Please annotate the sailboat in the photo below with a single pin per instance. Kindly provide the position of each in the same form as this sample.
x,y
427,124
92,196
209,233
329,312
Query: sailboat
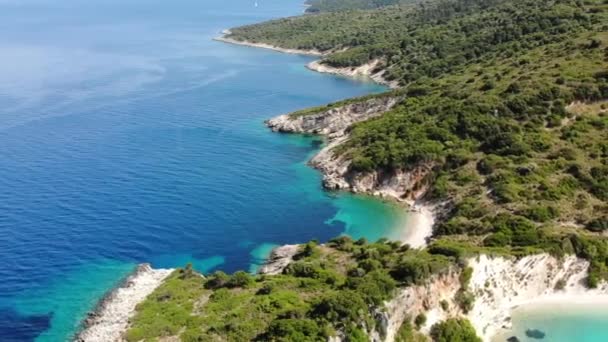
x,y
255,4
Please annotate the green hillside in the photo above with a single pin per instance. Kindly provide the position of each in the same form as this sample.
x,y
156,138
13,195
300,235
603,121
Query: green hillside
x,y
506,101
319,6
327,289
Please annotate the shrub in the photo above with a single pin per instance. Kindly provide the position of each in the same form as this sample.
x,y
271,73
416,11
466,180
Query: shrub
x,y
412,270
454,330
375,287
465,300
343,306
217,280
240,279
420,320
294,330
541,213
465,277
560,285
598,224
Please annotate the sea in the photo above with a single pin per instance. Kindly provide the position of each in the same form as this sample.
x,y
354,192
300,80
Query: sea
x,y
558,322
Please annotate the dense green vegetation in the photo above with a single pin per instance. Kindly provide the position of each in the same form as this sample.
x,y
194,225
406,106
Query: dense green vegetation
x,y
331,288
454,330
507,103
317,6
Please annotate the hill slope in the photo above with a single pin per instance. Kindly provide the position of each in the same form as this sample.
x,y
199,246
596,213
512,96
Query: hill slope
x,y
503,104
504,99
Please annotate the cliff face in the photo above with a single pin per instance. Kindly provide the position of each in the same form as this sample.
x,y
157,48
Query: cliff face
x,y
333,122
372,70
414,300
500,284
402,185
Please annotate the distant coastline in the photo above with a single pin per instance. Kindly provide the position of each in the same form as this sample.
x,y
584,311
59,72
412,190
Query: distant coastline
x,y
223,38
366,71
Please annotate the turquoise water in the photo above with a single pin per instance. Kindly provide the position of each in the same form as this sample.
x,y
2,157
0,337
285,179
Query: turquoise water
x,y
560,323
129,136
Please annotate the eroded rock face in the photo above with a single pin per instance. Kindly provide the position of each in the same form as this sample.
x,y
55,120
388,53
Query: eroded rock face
x,y
402,185
410,301
371,70
500,284
333,122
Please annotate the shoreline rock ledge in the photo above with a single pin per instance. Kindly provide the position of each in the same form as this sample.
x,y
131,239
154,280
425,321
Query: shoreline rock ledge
x,y
110,319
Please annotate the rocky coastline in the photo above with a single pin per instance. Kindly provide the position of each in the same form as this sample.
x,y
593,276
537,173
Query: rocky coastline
x,y
405,186
369,70
279,258
110,319
224,37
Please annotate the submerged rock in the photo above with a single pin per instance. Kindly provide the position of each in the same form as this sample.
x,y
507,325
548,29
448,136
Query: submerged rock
x,y
535,333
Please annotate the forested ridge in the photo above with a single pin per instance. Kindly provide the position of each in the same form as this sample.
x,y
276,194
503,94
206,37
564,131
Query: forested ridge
x,y
319,6
506,101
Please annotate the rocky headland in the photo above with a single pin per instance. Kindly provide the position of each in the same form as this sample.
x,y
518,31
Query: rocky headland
x,y
109,321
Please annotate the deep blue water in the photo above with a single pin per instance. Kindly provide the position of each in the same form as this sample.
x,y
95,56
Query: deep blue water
x,y
127,135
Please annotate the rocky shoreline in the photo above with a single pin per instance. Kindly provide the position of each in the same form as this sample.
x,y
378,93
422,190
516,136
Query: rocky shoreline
x,y
366,71
403,186
224,38
110,319
279,258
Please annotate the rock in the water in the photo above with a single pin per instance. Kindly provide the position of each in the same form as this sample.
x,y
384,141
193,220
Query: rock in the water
x,y
535,333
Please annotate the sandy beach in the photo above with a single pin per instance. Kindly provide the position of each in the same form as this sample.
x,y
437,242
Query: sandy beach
x,y
418,227
585,305
502,285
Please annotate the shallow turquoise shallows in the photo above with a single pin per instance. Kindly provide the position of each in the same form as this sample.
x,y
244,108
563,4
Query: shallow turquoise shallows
x,y
127,135
562,322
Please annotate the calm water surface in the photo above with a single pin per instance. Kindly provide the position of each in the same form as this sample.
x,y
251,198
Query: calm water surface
x,y
561,322
127,135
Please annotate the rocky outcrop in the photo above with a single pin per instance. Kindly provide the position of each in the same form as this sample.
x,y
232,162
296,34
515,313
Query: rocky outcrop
x,y
279,259
333,122
109,321
411,301
402,185
406,185
370,70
